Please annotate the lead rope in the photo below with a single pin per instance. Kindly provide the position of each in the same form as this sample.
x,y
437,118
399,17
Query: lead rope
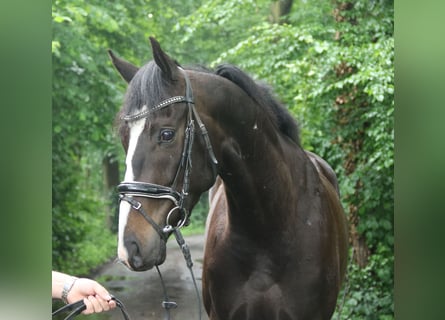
x,y
167,304
188,258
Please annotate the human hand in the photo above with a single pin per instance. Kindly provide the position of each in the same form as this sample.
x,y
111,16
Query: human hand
x,y
95,296
72,289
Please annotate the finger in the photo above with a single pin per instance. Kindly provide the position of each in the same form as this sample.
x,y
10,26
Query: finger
x,y
104,304
96,304
102,292
112,304
89,306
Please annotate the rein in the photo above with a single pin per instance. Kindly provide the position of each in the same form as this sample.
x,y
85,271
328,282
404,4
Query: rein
x,y
77,307
128,190
167,304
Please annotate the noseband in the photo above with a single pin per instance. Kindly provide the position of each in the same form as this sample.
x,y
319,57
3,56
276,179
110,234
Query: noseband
x,y
128,190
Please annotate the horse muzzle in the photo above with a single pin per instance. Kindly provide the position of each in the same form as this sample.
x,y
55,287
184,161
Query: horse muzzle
x,y
142,257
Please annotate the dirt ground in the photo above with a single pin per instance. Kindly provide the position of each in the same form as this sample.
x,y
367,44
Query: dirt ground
x,y
141,292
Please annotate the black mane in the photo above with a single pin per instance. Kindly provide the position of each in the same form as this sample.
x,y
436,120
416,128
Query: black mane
x,y
262,95
150,76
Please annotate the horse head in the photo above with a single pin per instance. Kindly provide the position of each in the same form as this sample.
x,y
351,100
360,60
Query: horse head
x,y
164,138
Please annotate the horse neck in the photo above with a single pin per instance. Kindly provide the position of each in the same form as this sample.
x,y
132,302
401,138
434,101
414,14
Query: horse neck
x,y
263,189
259,165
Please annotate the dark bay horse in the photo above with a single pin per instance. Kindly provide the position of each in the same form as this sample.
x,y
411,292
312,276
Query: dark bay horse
x,y
276,238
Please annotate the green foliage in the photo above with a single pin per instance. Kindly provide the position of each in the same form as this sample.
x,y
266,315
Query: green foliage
x,y
212,22
198,217
80,241
86,96
367,296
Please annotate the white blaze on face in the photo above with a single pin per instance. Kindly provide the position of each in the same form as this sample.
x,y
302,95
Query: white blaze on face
x,y
136,129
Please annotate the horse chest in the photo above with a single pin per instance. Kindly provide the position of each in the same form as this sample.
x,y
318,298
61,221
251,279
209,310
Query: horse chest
x,y
252,280
260,297
260,281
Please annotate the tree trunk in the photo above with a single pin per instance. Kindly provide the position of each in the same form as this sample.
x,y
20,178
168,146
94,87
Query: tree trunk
x,y
111,178
351,148
361,252
279,9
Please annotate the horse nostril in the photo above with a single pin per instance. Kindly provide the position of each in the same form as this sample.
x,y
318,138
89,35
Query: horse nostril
x,y
142,258
132,247
136,262
134,255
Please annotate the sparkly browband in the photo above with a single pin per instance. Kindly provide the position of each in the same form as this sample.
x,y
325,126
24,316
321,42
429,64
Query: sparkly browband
x,y
163,104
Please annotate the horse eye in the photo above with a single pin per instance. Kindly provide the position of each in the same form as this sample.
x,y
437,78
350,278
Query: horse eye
x,y
166,135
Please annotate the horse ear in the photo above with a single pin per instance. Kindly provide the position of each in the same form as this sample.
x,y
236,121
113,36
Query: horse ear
x,y
126,69
168,66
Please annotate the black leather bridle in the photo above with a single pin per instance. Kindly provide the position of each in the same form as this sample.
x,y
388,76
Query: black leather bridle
x,y
130,189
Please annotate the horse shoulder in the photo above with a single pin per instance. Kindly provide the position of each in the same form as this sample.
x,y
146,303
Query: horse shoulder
x,y
328,178
324,168
216,222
